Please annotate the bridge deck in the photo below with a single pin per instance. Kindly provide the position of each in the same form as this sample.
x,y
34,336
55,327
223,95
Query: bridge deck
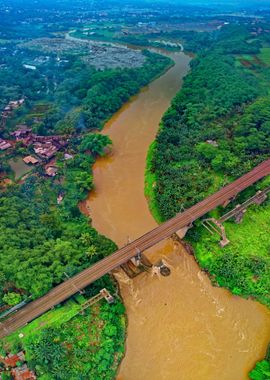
x,y
106,265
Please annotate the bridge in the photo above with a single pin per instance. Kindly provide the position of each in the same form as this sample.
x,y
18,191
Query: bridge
x,y
86,277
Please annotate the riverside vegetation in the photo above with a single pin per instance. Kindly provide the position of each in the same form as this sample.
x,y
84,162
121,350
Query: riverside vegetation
x,y
31,209
217,128
42,241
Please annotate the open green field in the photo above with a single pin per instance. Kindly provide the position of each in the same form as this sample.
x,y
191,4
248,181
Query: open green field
x,y
246,61
243,266
96,31
53,318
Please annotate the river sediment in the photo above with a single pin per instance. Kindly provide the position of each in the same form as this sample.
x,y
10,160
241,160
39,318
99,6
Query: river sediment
x,y
179,326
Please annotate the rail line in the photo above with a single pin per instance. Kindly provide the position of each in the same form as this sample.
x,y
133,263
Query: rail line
x,y
106,265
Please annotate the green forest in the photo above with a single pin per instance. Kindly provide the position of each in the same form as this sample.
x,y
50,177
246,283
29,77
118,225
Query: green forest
x,y
218,128
63,352
68,342
39,235
43,241
210,108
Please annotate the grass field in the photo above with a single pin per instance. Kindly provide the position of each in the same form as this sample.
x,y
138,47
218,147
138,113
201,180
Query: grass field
x,y
55,318
243,266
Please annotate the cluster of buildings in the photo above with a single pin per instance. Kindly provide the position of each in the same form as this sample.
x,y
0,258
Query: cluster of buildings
x,y
15,365
21,132
12,105
256,31
44,146
103,57
47,146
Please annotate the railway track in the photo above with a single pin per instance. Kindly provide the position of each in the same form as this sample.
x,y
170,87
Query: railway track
x,y
106,265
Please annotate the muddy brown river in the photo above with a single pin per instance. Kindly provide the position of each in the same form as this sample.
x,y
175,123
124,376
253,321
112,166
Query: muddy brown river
x,y
180,327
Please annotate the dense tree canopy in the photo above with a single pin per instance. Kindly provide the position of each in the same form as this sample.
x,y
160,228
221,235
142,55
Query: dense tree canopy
x,y
41,242
208,134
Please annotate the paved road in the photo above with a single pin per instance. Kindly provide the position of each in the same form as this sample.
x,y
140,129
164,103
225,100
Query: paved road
x,y
165,230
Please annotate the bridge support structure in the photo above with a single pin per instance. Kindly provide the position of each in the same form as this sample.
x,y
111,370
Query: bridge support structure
x,y
214,226
161,268
237,214
183,231
136,265
81,280
104,293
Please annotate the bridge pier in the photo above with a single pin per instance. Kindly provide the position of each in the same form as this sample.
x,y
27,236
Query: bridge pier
x,y
67,288
162,268
136,265
228,201
183,231
138,259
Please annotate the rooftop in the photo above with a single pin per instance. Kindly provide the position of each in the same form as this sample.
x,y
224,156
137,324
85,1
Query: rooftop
x,y
30,160
4,144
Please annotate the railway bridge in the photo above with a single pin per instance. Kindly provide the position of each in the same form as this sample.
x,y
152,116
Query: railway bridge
x,y
181,222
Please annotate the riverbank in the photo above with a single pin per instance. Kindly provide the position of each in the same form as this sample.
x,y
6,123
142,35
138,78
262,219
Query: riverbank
x,y
58,240
136,121
72,338
206,140
156,306
192,158
150,183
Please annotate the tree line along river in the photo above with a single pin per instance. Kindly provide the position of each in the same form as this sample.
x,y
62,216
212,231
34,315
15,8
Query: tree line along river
x,y
180,326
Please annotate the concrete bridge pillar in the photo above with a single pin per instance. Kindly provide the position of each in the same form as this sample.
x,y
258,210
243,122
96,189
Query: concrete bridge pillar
x,y
182,232
136,265
161,268
228,201
225,204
